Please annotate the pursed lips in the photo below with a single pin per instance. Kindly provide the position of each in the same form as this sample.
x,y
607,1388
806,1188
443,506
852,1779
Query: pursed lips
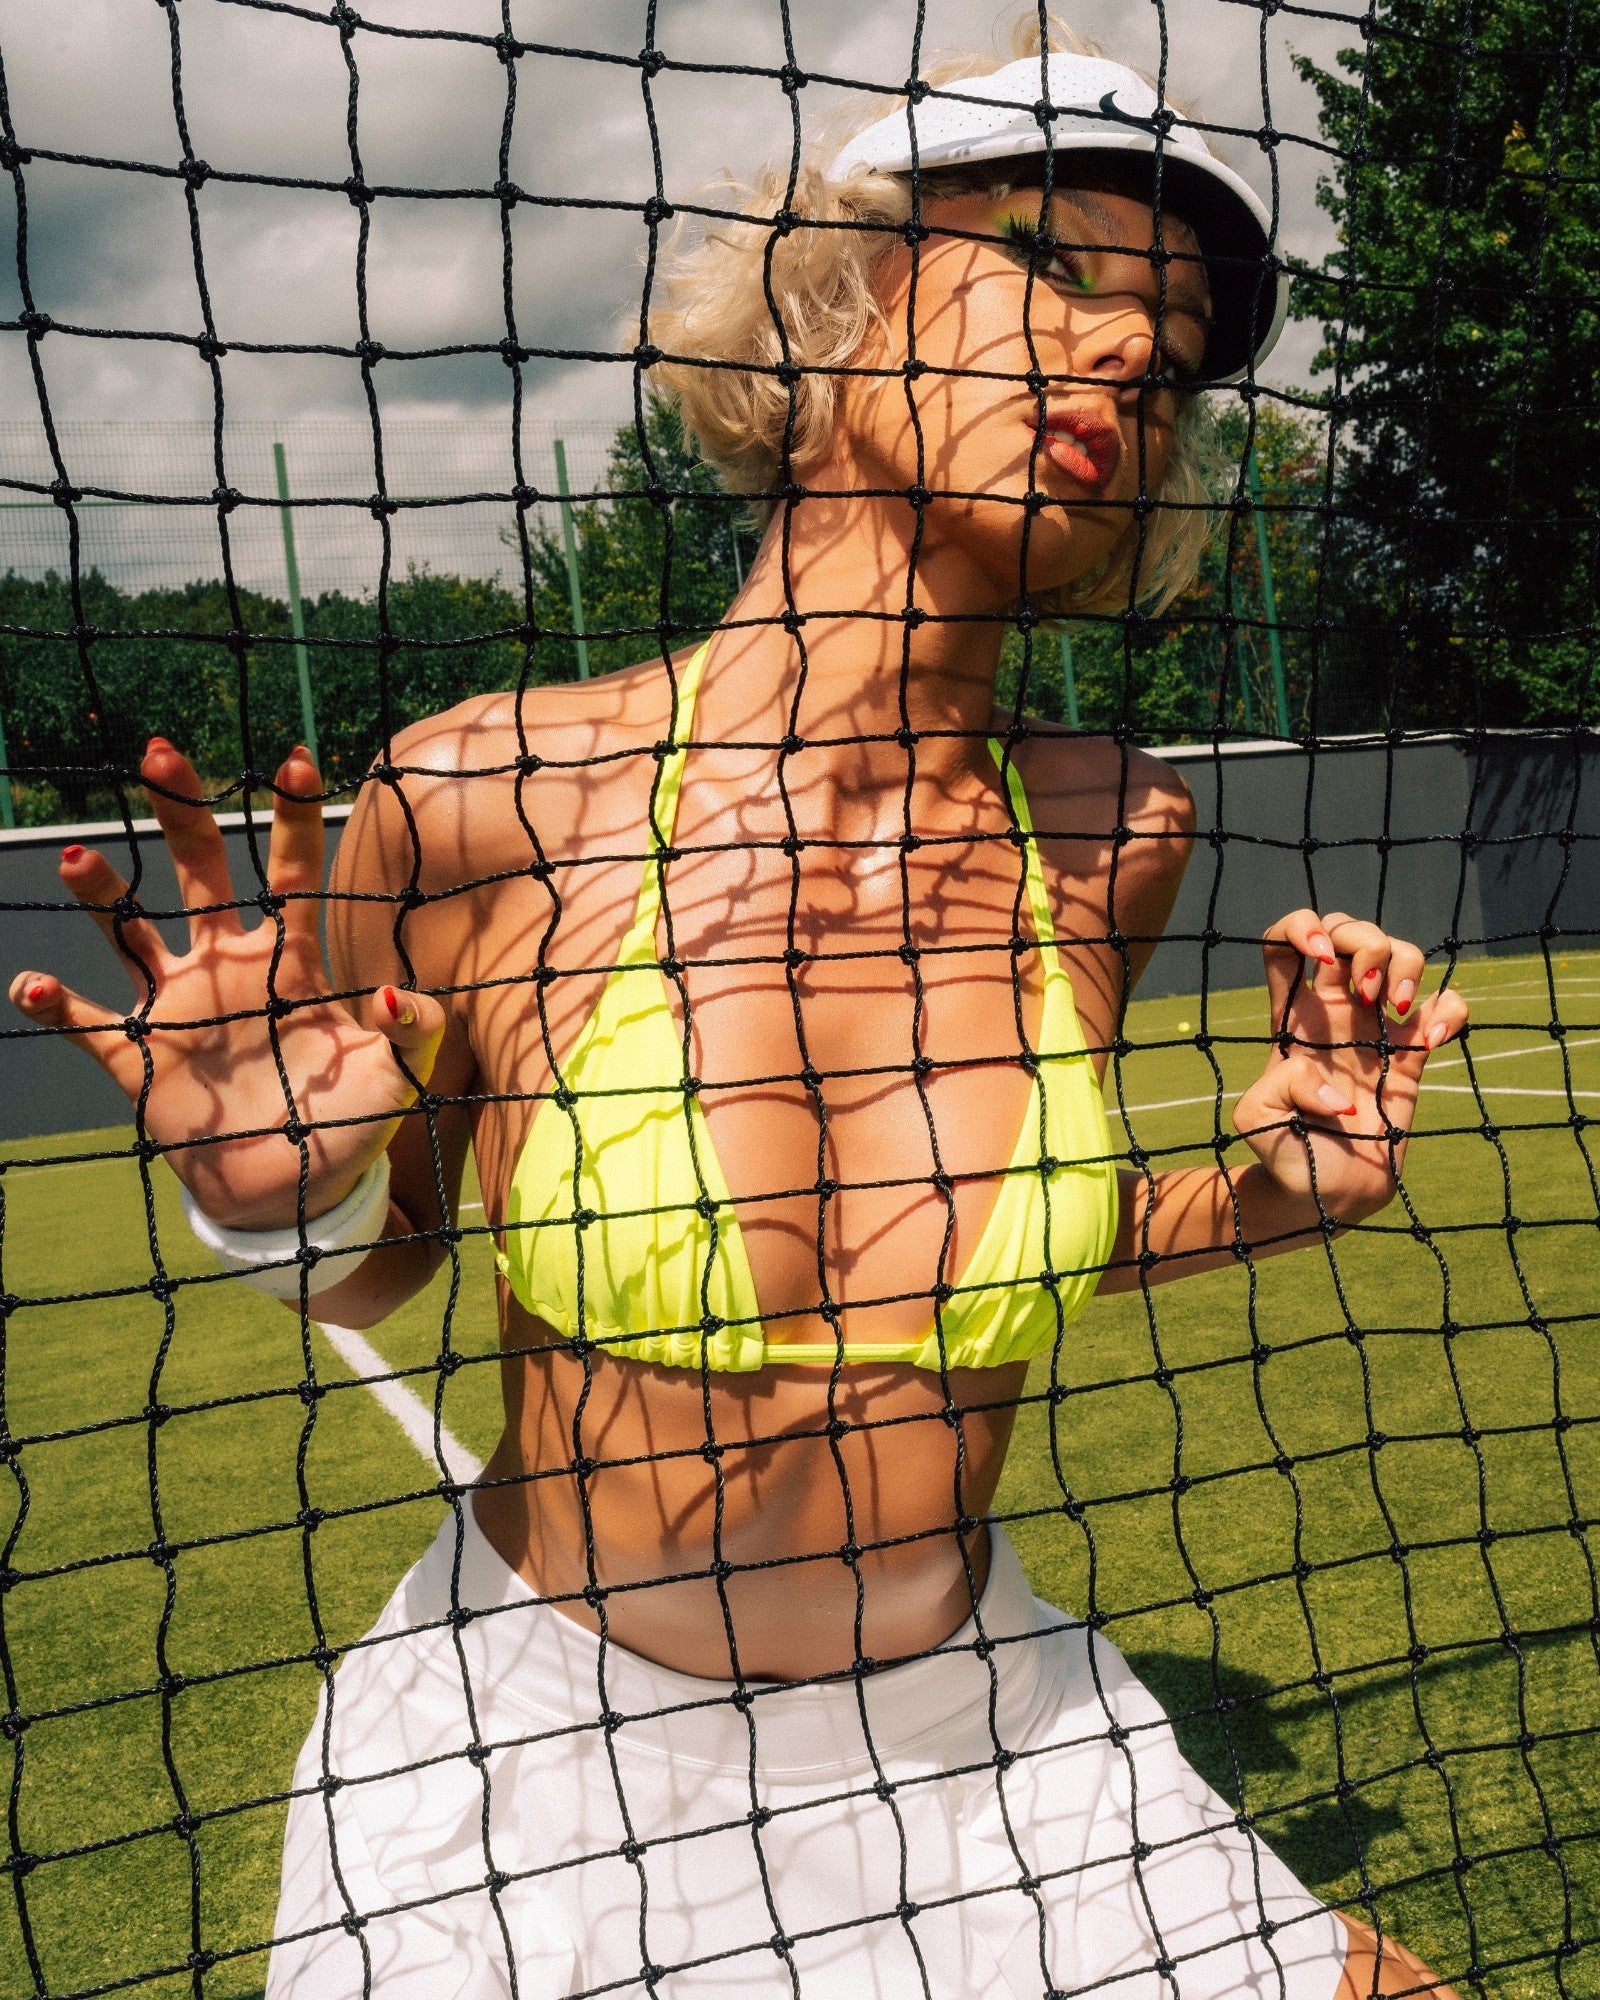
x,y
1087,449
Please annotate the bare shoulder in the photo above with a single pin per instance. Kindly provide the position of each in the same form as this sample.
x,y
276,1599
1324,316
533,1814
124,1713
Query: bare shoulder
x,y
1085,788
471,792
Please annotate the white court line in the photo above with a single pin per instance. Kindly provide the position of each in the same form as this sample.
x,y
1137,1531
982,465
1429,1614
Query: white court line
x,y
1533,1049
402,1403
1450,1062
1506,1090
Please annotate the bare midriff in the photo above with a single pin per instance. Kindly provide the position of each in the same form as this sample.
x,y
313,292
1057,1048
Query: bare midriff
x,y
775,1498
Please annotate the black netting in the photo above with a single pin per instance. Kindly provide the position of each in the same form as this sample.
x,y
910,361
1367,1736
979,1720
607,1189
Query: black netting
x,y
728,1679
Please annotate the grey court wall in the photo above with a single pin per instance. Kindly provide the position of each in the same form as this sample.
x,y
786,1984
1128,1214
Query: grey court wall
x,y
1478,847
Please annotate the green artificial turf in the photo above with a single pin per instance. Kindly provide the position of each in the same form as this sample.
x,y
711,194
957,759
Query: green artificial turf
x,y
1144,1488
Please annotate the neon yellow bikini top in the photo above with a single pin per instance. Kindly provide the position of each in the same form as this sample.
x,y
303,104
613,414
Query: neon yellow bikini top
x,y
619,1224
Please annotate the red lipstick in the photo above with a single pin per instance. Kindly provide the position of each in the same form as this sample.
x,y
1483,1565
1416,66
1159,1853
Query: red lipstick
x,y
1085,448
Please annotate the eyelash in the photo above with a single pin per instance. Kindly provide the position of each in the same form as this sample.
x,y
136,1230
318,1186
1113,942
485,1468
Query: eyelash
x,y
1023,238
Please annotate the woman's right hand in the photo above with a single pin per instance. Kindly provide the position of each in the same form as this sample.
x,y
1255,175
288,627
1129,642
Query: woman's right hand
x,y
216,1020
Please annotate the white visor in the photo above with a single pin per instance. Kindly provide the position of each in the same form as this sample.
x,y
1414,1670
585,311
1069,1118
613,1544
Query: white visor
x,y
1088,105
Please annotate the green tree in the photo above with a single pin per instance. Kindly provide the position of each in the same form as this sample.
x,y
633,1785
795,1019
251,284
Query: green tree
x,y
658,564
166,661
1204,664
1461,321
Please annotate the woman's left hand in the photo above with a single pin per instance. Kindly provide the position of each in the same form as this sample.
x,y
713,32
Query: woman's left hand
x,y
1329,1073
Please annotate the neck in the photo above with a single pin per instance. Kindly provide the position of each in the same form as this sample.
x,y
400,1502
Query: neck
x,y
855,667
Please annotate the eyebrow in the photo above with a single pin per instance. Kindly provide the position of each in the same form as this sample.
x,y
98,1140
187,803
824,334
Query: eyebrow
x,y
1187,289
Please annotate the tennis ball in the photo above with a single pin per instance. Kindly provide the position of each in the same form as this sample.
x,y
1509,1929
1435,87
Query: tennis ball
x,y
1184,1027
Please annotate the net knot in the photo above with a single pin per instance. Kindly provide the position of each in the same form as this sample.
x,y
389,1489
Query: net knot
x,y
657,211
209,348
646,354
380,506
63,494
356,192
511,353
13,156
792,78
651,62
195,173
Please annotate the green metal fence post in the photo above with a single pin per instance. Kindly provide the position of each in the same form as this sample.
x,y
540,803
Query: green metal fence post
x,y
297,622
1269,596
574,587
1069,679
8,805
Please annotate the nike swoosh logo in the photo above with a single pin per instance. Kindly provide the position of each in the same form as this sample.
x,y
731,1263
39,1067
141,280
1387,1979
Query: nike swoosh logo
x,y
1113,110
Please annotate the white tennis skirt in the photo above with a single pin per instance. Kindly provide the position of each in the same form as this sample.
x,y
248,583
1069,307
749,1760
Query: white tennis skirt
x,y
497,1805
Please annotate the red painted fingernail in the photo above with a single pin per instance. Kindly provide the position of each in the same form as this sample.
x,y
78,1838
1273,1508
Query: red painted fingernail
x,y
74,852
1349,1111
1402,1006
391,1000
35,993
156,743
1321,947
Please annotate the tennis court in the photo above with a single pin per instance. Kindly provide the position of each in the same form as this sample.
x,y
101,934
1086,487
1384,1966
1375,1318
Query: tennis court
x,y
191,1523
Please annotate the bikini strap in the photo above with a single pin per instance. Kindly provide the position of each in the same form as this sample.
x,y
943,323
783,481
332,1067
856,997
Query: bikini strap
x,y
640,940
1044,923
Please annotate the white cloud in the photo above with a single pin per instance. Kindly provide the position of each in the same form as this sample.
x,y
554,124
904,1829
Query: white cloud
x,y
267,93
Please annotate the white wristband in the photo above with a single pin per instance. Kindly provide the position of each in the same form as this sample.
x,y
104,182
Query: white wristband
x,y
268,1260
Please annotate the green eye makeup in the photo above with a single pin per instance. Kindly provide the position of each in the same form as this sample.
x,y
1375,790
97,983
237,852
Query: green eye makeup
x,y
1060,266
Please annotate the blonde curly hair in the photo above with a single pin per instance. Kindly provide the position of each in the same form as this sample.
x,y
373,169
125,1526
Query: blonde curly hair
x,y
743,409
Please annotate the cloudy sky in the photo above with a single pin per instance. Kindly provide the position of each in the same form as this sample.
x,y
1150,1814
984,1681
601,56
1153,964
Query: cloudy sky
x,y
267,93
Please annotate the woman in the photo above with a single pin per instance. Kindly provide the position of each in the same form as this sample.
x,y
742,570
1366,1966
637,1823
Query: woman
x,y
777,1032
